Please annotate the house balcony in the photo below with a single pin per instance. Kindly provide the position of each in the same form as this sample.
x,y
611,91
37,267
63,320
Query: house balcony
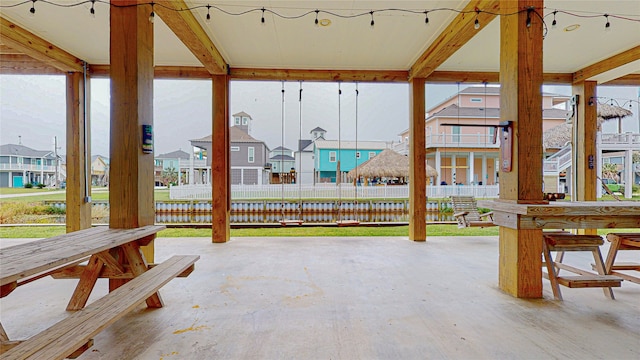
x,y
346,298
27,167
461,141
626,141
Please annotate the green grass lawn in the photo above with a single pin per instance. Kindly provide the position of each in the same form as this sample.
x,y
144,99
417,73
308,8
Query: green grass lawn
x,y
98,194
303,231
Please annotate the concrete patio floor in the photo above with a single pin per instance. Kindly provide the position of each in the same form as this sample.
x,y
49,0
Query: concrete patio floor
x,y
346,298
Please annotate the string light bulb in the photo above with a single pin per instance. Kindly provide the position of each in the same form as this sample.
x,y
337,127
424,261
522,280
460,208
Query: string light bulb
x,y
426,17
372,22
32,11
554,23
476,24
591,101
317,12
262,18
529,10
152,15
208,13
607,26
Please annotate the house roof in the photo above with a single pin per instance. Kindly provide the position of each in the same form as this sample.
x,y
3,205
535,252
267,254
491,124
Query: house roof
x,y
103,158
282,157
305,145
318,128
242,113
21,150
351,145
280,148
178,154
453,111
236,134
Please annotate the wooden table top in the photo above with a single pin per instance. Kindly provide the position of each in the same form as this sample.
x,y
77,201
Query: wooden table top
x,y
24,260
562,208
565,214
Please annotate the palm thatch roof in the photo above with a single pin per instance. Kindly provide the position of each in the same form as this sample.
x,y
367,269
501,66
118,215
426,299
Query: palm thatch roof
x,y
388,163
558,136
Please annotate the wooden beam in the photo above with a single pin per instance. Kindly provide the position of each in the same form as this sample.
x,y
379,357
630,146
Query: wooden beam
x,y
160,72
610,63
192,35
457,33
25,42
521,102
20,64
131,169
490,77
627,80
319,75
78,153
5,50
417,157
220,162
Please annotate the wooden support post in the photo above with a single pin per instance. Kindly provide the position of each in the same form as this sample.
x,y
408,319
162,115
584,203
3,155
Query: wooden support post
x,y
78,154
417,165
585,129
220,162
521,102
131,172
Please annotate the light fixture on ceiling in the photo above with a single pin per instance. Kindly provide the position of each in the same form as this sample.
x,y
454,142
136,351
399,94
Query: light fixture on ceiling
x,y
572,27
325,22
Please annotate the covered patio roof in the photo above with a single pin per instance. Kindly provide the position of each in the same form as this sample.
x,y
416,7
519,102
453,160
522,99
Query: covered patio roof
x,y
288,44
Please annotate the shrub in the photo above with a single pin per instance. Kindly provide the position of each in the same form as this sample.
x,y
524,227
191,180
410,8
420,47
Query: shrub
x,y
28,185
40,185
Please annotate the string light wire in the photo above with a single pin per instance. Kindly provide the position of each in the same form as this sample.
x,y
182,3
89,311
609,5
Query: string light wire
x,y
316,12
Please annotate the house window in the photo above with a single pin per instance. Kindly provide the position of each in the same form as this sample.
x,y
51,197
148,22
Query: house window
x,y
357,154
332,156
476,100
252,154
371,154
235,148
245,121
455,134
237,120
491,131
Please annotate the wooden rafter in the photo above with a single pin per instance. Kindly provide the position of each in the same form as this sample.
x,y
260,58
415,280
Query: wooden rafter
x,y
627,80
190,32
23,41
319,75
610,63
17,64
458,33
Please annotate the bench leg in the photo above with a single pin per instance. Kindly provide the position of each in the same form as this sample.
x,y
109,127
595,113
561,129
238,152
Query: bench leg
x,y
597,257
85,285
611,256
552,271
138,266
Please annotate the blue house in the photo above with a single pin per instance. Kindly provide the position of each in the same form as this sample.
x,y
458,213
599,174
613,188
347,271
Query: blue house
x,y
21,165
348,154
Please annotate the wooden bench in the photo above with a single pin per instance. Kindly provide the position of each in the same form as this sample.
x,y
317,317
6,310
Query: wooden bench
x,y
622,241
110,253
562,242
465,211
72,333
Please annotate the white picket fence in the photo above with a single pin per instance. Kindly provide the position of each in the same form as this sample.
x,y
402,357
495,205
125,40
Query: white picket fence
x,y
329,191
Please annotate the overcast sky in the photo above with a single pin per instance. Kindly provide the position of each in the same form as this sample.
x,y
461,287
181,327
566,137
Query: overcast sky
x,y
33,107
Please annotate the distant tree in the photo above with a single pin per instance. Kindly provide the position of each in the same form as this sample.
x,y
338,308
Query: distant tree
x,y
169,176
609,171
635,157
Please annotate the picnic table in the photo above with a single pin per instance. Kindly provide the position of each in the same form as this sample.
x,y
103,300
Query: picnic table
x,y
108,253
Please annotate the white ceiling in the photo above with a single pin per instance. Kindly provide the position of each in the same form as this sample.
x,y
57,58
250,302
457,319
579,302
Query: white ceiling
x,y
395,42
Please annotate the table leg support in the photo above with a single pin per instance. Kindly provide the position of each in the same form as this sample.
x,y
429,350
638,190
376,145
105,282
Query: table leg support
x,y
520,266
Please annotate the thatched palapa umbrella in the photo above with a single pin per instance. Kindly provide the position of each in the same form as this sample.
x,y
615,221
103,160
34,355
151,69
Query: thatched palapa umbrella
x,y
388,163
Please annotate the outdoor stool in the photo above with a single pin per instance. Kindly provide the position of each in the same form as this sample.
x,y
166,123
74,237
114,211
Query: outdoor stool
x,y
562,242
622,241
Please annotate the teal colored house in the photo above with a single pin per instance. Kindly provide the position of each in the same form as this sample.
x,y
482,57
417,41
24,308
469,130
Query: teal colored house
x,y
328,153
